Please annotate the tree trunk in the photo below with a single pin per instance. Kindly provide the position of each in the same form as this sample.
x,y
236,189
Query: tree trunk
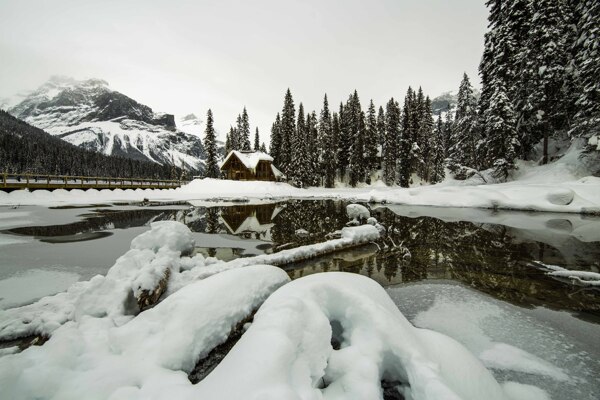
x,y
545,156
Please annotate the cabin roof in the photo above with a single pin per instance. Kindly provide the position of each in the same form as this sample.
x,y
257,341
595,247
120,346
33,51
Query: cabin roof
x,y
250,159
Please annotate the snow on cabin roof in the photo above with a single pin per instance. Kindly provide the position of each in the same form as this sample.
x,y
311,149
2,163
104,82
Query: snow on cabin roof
x,y
250,159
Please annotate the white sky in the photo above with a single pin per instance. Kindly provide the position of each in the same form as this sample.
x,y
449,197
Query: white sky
x,y
188,56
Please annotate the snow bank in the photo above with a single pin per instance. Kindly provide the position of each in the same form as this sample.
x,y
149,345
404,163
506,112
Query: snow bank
x,y
292,334
112,295
580,196
148,357
155,256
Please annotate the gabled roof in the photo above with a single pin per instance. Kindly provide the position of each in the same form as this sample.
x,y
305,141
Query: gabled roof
x,y
250,159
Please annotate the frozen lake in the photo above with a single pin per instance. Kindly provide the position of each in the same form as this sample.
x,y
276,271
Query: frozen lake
x,y
469,273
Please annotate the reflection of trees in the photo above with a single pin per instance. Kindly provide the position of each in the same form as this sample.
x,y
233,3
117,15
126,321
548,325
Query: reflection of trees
x,y
317,217
483,256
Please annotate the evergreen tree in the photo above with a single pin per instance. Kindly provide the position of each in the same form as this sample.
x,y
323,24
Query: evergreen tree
x,y
427,140
327,145
546,64
228,146
313,149
500,133
390,143
371,141
245,131
299,163
263,147
287,129
464,138
275,146
344,142
380,132
437,156
335,138
210,148
355,123
586,66
256,140
405,140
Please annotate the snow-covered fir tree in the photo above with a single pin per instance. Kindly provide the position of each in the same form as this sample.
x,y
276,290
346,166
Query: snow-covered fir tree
x,y
464,135
586,64
299,165
371,141
245,131
355,123
406,137
425,137
275,145
256,140
327,145
500,136
390,141
344,143
436,153
210,147
287,129
313,150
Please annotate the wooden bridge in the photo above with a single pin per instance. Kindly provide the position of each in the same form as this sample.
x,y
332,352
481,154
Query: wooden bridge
x,y
10,182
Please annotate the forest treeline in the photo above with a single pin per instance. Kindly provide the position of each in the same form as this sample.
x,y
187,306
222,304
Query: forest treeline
x,y
539,75
27,149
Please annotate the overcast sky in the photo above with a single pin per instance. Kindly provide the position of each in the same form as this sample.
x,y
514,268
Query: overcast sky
x,y
188,56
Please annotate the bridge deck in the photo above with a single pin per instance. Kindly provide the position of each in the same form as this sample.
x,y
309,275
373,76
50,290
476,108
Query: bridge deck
x,y
10,182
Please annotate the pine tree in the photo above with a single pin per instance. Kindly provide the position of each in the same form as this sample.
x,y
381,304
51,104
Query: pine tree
x,y
313,150
256,140
426,139
406,137
371,141
228,146
344,142
464,138
390,143
355,122
437,156
500,133
288,128
380,132
335,139
299,163
587,70
263,147
546,62
327,145
245,131
210,148
275,145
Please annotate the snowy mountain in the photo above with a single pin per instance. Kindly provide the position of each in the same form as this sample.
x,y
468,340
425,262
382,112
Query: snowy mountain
x,y
91,115
447,101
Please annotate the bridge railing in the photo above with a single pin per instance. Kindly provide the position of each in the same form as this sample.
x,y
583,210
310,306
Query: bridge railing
x,y
10,180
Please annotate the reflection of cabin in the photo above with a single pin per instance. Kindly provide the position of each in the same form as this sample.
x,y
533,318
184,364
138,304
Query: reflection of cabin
x,y
250,166
249,218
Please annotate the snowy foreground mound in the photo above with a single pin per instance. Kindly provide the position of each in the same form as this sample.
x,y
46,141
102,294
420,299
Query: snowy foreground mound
x,y
325,336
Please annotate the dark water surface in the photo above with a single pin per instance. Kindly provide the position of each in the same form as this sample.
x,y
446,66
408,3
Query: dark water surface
x,y
498,253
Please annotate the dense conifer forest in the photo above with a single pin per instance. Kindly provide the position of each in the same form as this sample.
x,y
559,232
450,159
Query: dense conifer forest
x,y
539,75
26,149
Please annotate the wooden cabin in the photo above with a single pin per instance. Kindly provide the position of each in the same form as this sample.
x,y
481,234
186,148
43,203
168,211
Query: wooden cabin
x,y
250,166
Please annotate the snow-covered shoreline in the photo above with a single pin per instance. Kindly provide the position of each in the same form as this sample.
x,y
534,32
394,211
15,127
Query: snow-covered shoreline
x,y
579,196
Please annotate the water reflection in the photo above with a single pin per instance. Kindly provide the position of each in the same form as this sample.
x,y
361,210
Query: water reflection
x,y
490,251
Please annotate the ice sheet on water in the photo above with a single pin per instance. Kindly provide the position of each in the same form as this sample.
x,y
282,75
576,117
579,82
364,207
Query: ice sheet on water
x,y
32,285
518,344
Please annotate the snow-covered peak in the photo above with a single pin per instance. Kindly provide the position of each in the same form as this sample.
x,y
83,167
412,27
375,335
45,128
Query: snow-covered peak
x,y
191,124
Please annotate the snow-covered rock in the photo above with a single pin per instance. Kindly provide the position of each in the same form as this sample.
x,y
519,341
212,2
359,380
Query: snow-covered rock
x,y
357,211
561,196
